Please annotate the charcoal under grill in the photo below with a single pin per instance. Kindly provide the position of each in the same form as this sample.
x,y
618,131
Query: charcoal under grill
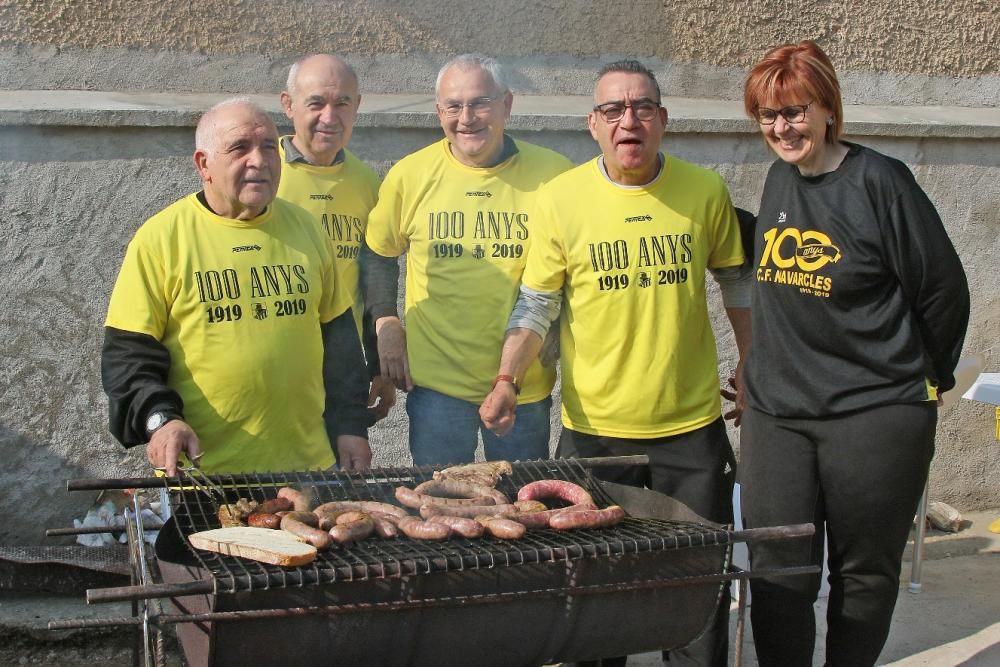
x,y
651,582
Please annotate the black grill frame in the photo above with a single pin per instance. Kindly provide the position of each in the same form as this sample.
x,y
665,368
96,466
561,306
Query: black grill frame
x,y
195,509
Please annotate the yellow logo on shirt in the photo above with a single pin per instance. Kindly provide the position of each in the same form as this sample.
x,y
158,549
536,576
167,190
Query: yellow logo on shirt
x,y
792,257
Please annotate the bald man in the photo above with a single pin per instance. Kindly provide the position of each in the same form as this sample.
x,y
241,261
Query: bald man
x,y
229,338
319,174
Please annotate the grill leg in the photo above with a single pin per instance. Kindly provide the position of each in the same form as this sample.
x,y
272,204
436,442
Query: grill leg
x,y
918,543
741,616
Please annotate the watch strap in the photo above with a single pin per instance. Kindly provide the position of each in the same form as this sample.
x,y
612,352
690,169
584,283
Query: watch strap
x,y
502,377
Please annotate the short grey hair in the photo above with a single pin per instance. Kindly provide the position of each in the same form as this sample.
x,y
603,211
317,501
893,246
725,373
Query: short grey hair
x,y
293,71
468,61
205,133
631,67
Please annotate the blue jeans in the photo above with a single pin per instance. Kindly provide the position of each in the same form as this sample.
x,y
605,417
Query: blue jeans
x,y
443,430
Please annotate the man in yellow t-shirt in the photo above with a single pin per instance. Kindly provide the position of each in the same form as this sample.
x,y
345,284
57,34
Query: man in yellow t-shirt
x,y
461,211
228,337
622,244
319,174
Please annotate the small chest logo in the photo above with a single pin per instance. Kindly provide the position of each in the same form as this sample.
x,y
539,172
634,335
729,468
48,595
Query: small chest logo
x,y
326,197
781,218
246,248
478,193
639,218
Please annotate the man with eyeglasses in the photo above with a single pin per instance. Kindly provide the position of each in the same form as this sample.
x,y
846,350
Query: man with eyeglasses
x,y
622,244
461,211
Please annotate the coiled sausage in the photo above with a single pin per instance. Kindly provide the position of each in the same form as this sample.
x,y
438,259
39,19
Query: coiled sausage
x,y
555,488
413,499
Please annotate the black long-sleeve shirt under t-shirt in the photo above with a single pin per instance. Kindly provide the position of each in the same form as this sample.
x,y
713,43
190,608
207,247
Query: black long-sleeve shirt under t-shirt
x,y
860,299
134,369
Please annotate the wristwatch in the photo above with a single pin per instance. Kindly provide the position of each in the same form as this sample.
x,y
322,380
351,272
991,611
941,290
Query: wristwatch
x,y
156,421
508,378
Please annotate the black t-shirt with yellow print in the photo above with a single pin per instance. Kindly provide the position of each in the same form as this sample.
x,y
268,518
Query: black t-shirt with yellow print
x,y
860,298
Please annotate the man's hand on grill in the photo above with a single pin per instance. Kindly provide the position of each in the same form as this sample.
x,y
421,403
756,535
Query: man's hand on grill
x,y
353,453
167,443
381,397
392,352
497,411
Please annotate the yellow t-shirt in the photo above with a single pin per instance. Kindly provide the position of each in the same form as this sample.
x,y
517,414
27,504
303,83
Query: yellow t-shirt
x,y
238,305
637,350
339,197
465,232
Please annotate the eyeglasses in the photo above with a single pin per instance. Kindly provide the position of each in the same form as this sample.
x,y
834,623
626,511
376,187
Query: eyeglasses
x,y
795,113
477,107
612,112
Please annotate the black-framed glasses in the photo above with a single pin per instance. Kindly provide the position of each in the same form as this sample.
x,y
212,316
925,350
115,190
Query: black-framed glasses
x,y
793,113
644,109
478,107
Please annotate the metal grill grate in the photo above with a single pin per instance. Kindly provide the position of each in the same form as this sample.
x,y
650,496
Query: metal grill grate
x,y
196,510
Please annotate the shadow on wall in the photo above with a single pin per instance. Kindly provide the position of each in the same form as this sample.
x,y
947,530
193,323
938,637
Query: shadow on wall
x,y
33,478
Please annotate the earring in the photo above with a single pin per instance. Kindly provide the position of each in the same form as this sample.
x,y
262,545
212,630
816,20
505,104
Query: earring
x,y
829,121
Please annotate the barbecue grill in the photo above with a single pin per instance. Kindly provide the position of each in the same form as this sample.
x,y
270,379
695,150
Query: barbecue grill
x,y
649,583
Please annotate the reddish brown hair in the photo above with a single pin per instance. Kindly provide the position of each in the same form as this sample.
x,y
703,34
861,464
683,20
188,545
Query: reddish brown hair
x,y
796,71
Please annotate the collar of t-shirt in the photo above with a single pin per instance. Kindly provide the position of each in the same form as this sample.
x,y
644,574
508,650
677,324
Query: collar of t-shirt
x,y
293,154
604,171
204,202
508,151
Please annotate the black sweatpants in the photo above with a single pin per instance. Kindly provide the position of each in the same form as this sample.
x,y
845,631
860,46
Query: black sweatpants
x,y
696,468
859,477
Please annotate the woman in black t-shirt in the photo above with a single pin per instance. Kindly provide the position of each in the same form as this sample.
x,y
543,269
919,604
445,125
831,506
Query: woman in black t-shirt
x,y
859,313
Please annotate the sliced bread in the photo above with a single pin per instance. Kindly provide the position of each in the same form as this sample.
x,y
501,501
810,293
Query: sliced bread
x,y
276,547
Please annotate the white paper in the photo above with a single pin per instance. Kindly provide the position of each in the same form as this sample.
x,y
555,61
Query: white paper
x,y
985,389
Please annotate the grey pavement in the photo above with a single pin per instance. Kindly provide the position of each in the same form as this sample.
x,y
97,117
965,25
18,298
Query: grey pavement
x,y
953,620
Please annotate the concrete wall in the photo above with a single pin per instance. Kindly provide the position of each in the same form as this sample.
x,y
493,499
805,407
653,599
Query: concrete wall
x,y
79,174
895,51
71,197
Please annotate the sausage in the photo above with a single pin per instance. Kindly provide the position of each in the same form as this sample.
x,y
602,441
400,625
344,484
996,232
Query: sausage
x,y
467,511
468,528
328,518
572,519
274,505
471,477
555,488
314,536
264,520
413,499
541,519
350,516
363,505
488,472
416,529
456,488
352,527
504,529
384,526
307,518
299,500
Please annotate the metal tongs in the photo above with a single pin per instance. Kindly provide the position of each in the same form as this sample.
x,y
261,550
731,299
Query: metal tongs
x,y
199,480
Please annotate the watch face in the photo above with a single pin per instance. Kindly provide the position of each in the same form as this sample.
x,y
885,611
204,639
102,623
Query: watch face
x,y
155,421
